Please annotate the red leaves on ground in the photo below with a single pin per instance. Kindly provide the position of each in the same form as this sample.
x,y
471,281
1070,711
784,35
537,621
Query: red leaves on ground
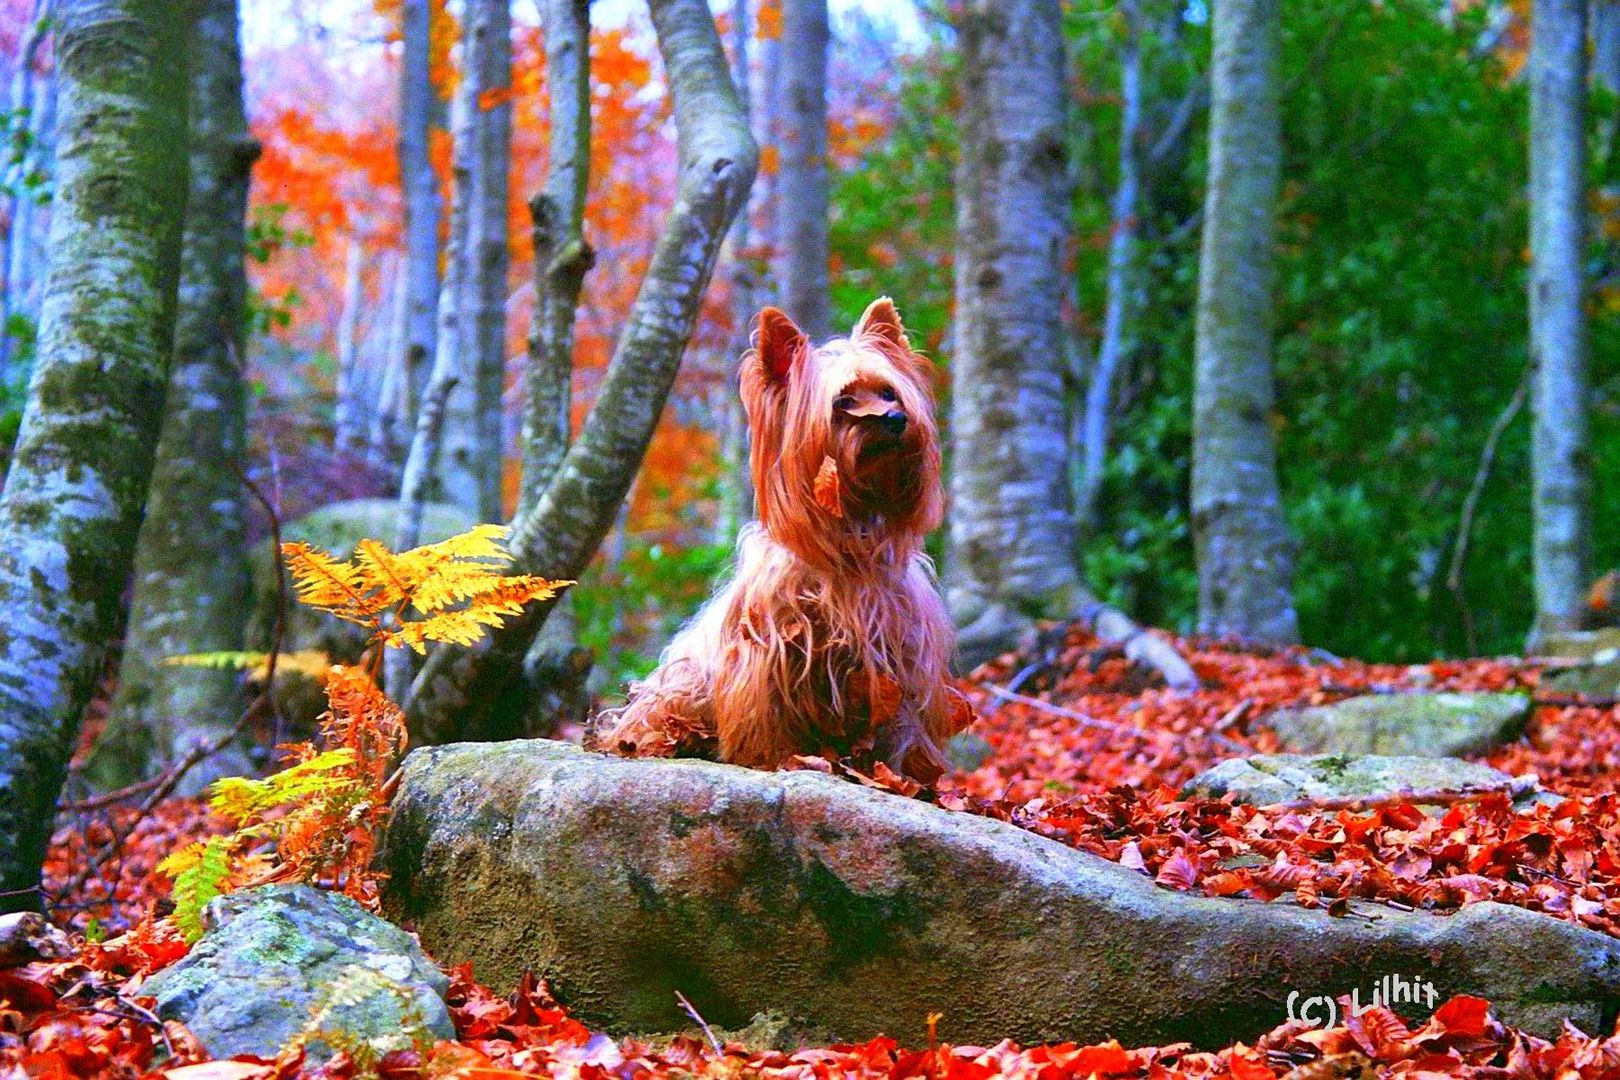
x,y
1107,791
1116,794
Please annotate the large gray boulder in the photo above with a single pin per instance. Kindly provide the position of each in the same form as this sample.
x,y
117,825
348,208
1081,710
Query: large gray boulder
x,y
1416,725
860,912
282,958
1265,779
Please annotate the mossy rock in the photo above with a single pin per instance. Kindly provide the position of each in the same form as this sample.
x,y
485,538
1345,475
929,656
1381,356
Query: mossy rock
x,y
1403,725
857,912
1598,645
278,959
1596,681
1267,779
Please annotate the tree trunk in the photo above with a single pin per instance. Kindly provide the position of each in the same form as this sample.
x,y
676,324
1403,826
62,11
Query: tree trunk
x,y
477,689
736,488
418,104
1012,540
387,439
191,573
25,113
561,255
349,422
802,205
1560,457
471,465
1122,281
556,667
72,505
26,253
1244,554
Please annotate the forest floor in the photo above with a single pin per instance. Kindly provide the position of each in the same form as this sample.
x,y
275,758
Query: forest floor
x,y
1090,752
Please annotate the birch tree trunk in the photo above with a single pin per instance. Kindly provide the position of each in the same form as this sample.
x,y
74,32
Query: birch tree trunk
x,y
191,573
802,205
561,255
349,423
557,666
1012,537
72,505
1245,557
24,113
456,345
26,252
736,488
418,104
477,689
1559,452
490,254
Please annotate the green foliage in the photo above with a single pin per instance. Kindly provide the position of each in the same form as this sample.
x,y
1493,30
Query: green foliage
x,y
200,873
267,234
667,583
1400,323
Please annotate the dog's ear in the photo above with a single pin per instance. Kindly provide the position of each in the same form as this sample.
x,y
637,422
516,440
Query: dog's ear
x,y
780,343
882,320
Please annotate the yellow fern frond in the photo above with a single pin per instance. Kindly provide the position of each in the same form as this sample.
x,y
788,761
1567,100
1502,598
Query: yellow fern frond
x,y
310,663
341,588
490,606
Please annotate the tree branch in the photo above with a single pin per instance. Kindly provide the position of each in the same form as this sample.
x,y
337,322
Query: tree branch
x,y
557,536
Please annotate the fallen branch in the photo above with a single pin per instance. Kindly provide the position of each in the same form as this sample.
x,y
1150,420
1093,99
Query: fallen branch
x,y
1514,789
702,1023
1114,626
1106,725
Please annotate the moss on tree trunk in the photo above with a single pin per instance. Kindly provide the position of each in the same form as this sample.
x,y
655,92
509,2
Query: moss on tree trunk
x,y
191,574
72,505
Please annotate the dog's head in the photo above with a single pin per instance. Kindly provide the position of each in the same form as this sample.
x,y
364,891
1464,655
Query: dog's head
x,y
845,448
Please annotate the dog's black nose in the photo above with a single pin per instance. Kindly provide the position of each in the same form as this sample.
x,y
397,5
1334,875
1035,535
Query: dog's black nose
x,y
894,422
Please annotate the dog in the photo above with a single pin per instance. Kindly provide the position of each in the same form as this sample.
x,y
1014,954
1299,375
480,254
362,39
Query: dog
x,y
831,635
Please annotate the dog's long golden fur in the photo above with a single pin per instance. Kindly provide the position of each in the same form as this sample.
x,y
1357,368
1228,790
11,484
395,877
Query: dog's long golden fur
x,y
831,634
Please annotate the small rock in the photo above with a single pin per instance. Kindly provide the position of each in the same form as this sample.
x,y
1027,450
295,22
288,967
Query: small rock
x,y
1266,779
967,751
1580,644
1596,680
279,959
26,936
1414,725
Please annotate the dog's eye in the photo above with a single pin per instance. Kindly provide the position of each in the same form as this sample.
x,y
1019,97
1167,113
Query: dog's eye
x,y
887,394
844,403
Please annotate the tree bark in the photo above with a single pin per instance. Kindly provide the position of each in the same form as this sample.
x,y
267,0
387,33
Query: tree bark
x,y
1122,281
1012,537
418,104
468,465
802,205
1245,557
348,420
191,574
479,688
72,505
1560,455
561,255
24,111
736,488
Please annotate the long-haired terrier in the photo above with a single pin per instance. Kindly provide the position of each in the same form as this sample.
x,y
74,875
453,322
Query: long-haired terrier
x,y
831,635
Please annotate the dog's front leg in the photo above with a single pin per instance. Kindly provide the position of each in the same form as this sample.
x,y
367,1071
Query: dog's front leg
x,y
907,748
